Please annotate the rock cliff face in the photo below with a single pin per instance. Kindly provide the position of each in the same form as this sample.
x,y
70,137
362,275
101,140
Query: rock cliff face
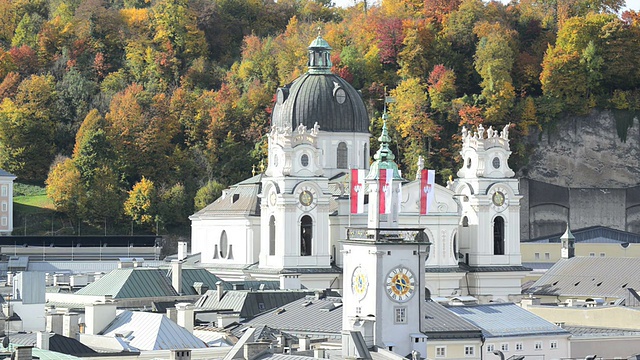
x,y
586,152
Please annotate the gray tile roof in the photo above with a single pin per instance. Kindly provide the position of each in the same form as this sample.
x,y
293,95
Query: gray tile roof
x,y
589,276
248,303
131,283
586,331
506,319
150,331
304,315
239,199
593,234
440,323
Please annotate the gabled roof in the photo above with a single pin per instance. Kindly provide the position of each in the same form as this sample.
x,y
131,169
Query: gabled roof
x,y
131,283
506,319
592,234
589,276
440,323
248,303
308,314
57,343
239,199
150,331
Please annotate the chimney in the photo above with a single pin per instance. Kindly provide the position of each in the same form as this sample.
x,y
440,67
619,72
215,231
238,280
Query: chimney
x,y
185,316
42,340
182,354
172,314
304,343
220,290
225,319
54,322
568,244
98,315
176,275
182,250
200,287
70,326
251,350
24,353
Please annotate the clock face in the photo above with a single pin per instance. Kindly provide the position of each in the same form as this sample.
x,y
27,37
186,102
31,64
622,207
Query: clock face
x,y
499,199
341,96
359,283
400,284
307,198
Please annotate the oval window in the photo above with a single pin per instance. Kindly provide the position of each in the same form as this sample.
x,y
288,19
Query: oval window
x,y
223,244
304,160
496,162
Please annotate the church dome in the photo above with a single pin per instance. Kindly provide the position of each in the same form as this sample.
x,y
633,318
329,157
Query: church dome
x,y
320,96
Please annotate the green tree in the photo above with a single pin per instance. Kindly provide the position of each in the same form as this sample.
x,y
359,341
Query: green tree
x,y
208,194
27,31
174,207
27,129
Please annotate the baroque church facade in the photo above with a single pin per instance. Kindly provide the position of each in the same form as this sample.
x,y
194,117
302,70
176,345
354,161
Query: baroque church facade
x,y
291,223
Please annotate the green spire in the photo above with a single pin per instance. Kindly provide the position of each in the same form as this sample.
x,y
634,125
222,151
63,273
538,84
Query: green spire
x,y
383,158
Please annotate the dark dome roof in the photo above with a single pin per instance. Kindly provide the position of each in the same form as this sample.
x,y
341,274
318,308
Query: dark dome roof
x,y
320,96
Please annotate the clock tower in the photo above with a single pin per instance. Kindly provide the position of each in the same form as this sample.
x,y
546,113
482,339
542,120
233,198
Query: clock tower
x,y
384,268
489,228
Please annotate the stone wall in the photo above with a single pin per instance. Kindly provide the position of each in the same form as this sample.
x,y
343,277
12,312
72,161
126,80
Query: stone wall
x,y
582,172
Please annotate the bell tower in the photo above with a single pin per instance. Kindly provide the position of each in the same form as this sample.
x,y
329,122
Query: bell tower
x,y
489,227
384,268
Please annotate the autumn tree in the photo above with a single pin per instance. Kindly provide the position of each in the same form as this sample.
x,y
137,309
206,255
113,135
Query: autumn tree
x,y
66,188
27,129
141,204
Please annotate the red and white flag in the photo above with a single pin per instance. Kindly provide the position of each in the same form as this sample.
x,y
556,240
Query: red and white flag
x,y
427,179
384,191
357,191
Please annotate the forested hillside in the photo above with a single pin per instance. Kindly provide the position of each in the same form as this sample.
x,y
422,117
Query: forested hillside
x,y
145,109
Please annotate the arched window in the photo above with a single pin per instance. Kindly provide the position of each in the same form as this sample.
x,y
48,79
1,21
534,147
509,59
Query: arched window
x,y
342,156
306,235
498,236
455,246
272,235
465,222
223,244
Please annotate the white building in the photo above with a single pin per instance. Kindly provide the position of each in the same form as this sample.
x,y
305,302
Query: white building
x,y
288,223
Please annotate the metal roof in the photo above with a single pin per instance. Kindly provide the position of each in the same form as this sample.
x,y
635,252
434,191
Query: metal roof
x,y
440,323
191,276
248,303
131,283
239,199
586,331
150,331
308,314
593,234
57,343
6,173
589,276
505,320
311,100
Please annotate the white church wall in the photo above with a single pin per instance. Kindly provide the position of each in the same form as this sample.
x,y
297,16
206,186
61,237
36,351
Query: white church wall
x,y
242,240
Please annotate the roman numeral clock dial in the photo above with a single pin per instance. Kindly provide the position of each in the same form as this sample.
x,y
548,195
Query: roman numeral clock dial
x,y
400,284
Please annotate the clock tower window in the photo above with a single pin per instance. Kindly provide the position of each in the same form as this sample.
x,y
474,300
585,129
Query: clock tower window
x,y
342,156
498,236
272,235
306,235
